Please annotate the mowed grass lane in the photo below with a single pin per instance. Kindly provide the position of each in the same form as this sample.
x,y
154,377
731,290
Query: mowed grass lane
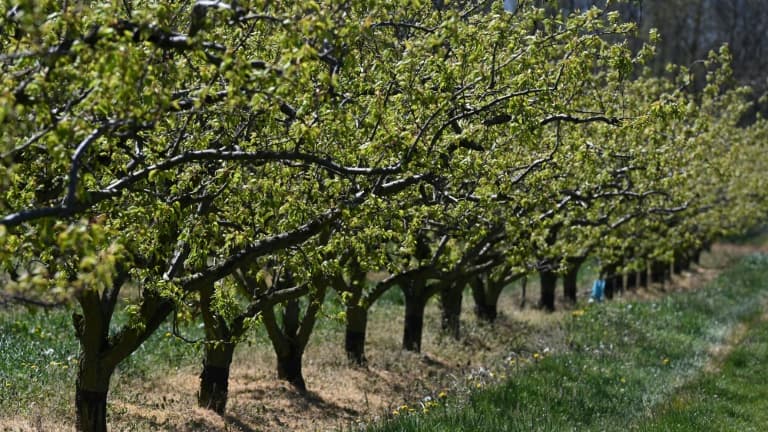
x,y
633,366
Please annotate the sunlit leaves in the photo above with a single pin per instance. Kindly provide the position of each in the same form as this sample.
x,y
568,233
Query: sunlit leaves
x,y
542,124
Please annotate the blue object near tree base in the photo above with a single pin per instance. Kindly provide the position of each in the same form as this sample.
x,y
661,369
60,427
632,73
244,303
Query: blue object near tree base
x,y
598,290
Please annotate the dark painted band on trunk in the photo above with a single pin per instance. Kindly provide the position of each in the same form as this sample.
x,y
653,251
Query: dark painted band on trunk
x,y
89,396
412,331
354,339
215,373
486,312
414,321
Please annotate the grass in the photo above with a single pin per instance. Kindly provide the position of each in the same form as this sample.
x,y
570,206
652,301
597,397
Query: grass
x,y
37,355
625,361
38,359
544,371
155,388
732,397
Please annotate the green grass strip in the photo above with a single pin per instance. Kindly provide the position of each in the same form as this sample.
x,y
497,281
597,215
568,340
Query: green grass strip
x,y
624,364
733,397
38,357
39,353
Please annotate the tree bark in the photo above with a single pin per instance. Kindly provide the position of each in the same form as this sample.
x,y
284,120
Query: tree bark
x,y
659,272
678,263
91,400
523,290
98,354
415,302
613,284
644,277
696,258
93,374
548,285
570,285
685,265
570,279
291,340
290,356
217,355
414,324
485,305
289,366
631,281
354,336
288,351
450,300
214,379
612,281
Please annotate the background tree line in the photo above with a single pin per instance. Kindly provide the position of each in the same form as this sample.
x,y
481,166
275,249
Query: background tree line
x,y
691,28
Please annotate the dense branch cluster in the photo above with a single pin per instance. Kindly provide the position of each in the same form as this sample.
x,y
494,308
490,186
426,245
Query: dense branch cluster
x,y
248,161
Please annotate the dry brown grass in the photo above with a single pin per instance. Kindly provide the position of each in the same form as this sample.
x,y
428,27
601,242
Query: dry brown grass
x,y
344,397
35,424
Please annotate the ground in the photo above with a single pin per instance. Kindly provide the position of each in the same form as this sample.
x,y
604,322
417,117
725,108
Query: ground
x,y
345,397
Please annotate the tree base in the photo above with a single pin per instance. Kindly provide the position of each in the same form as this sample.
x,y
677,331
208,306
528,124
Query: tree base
x,y
91,410
354,345
214,387
289,369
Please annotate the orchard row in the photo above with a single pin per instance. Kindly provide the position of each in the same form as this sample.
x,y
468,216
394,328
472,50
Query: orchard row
x,y
233,163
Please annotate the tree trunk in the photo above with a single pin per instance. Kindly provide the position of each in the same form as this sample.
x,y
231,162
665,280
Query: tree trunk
x,y
644,276
217,356
611,281
289,367
289,360
291,340
214,379
354,337
523,289
609,288
548,285
100,354
91,407
415,302
570,283
678,263
631,281
93,377
659,272
93,370
685,265
613,285
696,258
450,300
571,279
485,304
